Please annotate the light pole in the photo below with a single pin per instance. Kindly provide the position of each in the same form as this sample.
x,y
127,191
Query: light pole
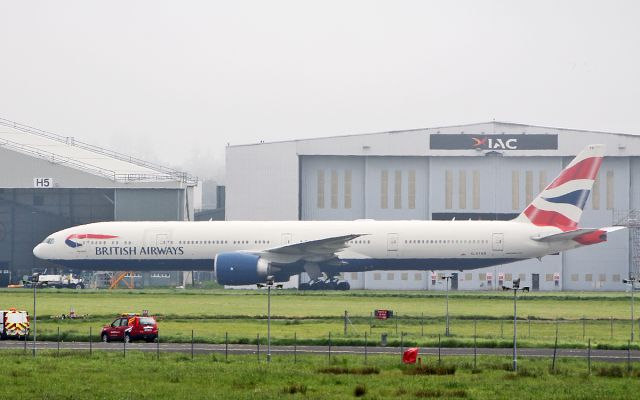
x,y
34,283
631,281
269,285
447,278
515,287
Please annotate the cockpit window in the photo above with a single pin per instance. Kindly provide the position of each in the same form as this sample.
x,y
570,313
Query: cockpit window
x,y
49,240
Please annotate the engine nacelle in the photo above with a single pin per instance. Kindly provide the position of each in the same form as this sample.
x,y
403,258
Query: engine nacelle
x,y
240,269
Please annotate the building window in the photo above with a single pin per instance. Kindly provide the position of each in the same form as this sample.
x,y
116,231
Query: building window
x,y
384,189
320,198
615,278
404,276
482,276
412,190
161,275
476,190
417,276
377,276
462,182
390,276
334,189
397,197
528,186
508,277
543,181
347,188
602,277
588,277
515,190
448,190
595,194
574,277
468,276
610,199
549,277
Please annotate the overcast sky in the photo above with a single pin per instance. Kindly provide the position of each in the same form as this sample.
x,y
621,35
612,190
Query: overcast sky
x,y
174,82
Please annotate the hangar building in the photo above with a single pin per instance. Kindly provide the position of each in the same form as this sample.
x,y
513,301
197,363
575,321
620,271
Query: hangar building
x,y
478,171
50,182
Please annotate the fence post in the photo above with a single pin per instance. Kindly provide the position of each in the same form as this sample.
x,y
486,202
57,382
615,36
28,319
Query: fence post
x,y
629,355
90,342
192,344
365,347
58,341
589,357
329,347
295,347
226,346
345,322
396,318
258,345
475,344
439,358
555,349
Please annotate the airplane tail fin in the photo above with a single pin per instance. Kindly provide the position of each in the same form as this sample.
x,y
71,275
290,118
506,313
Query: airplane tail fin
x,y
561,203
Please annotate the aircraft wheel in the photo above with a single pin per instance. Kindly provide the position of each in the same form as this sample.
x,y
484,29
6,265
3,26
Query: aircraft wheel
x,y
344,286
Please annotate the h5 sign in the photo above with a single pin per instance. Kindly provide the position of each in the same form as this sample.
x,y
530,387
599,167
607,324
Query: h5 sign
x,y
43,183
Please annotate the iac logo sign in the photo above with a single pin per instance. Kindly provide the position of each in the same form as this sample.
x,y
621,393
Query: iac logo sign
x,y
495,143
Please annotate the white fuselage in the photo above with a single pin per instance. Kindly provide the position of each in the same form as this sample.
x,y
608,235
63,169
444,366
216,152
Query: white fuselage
x,y
406,245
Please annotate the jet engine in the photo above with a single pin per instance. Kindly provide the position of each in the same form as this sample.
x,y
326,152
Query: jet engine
x,y
240,269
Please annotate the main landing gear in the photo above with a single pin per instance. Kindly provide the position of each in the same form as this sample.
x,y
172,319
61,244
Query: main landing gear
x,y
328,284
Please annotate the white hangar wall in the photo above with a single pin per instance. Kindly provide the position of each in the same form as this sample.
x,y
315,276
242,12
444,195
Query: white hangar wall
x,y
402,175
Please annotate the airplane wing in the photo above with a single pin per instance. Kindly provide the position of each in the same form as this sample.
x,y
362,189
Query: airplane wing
x,y
554,237
313,250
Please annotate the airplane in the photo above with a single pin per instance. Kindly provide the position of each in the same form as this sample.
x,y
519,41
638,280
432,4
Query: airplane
x,y
254,252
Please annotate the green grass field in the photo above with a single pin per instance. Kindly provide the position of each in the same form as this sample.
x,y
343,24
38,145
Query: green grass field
x,y
311,316
140,375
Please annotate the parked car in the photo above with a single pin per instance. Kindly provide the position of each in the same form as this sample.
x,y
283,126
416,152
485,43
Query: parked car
x,y
129,327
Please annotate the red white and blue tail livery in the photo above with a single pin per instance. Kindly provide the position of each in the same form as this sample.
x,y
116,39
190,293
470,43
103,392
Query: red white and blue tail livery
x,y
561,203
249,252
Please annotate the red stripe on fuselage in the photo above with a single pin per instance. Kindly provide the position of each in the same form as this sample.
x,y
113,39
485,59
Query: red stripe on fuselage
x,y
585,169
549,218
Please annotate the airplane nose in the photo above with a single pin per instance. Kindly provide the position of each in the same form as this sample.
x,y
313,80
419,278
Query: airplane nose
x,y
38,251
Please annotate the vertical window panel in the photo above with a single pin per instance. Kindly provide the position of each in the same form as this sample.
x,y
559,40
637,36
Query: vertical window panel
x,y
528,187
610,199
320,196
347,188
334,189
397,198
462,193
448,190
384,189
412,190
515,190
543,181
595,193
476,190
